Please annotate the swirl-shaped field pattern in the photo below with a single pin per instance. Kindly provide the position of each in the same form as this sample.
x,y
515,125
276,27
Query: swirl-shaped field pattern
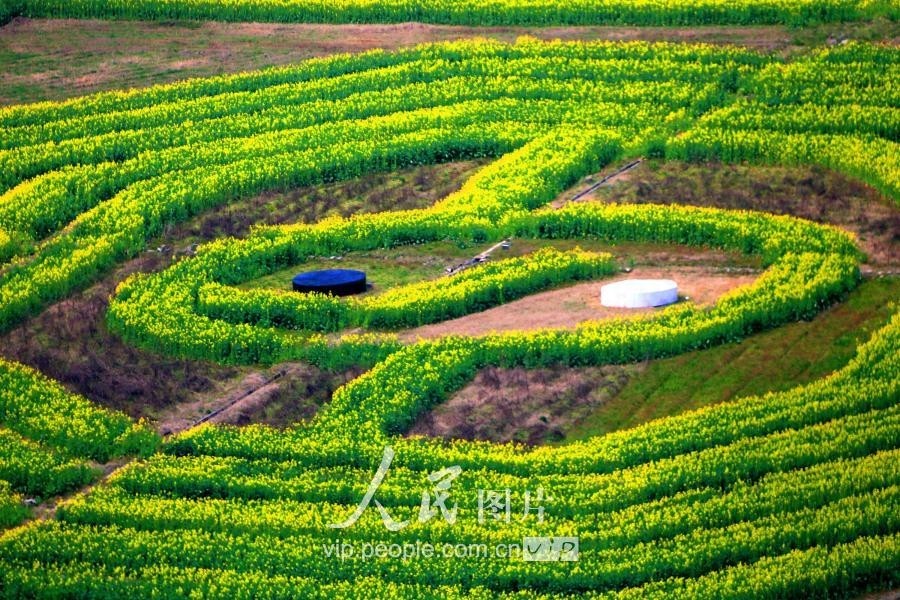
x,y
790,493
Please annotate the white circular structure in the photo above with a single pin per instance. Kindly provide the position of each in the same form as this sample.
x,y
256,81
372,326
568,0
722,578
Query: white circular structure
x,y
639,293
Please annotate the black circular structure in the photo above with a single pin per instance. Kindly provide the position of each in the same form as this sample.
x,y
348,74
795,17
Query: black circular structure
x,y
337,282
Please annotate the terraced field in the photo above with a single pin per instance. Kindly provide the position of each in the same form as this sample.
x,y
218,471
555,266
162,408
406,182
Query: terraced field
x,y
793,493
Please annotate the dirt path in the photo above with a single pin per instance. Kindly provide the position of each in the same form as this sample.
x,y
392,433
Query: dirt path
x,y
595,181
567,307
46,510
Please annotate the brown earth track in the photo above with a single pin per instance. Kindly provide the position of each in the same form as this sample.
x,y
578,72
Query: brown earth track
x,y
569,306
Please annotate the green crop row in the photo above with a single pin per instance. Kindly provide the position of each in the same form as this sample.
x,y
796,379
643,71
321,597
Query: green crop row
x,y
874,160
33,469
48,433
469,12
469,291
346,100
687,555
580,497
12,511
311,71
42,410
177,493
562,77
853,119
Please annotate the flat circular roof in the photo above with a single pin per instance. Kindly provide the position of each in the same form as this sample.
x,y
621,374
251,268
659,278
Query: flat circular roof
x,y
340,282
639,293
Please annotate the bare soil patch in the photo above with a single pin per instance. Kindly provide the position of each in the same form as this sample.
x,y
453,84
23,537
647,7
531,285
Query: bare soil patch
x,y
531,406
69,342
280,396
569,306
376,192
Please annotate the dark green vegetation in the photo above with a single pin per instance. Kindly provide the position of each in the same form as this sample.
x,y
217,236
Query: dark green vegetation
x,y
12,511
